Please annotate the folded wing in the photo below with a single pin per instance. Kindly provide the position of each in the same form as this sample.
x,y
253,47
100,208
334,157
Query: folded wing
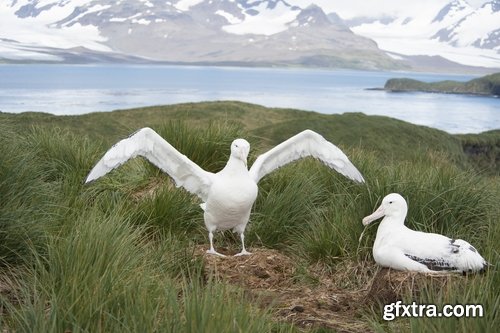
x,y
446,254
306,143
150,145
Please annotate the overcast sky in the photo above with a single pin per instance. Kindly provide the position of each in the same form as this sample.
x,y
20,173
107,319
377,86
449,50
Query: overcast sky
x,y
351,8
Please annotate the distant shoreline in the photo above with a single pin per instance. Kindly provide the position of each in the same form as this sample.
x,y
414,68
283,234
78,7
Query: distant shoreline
x,y
432,92
486,86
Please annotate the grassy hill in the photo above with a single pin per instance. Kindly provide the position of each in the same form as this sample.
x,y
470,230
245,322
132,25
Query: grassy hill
x,y
390,138
126,253
487,85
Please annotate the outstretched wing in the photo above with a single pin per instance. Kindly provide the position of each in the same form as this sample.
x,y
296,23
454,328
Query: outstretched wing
x,y
306,143
149,144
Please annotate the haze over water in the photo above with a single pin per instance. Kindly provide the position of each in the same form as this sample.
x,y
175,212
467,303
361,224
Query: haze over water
x,y
71,90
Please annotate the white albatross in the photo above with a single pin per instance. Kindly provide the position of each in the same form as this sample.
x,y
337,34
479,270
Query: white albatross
x,y
397,246
229,194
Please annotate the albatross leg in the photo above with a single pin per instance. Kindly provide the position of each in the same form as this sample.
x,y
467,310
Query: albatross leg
x,y
212,250
244,251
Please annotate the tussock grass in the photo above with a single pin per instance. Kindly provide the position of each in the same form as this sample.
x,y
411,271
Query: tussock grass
x,y
105,275
25,198
171,210
284,206
118,255
208,145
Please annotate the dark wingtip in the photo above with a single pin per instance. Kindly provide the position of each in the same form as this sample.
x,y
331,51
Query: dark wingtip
x,y
485,267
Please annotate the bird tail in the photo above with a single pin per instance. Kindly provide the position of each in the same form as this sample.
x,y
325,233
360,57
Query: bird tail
x,y
470,259
485,267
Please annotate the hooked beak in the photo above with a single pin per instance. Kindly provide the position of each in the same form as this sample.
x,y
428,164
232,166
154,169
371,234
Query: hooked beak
x,y
380,212
243,157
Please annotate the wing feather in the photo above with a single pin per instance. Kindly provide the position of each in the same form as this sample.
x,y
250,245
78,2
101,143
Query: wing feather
x,y
306,143
440,253
150,145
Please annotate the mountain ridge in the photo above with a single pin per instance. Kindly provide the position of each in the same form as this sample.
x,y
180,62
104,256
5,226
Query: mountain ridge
x,y
458,32
248,33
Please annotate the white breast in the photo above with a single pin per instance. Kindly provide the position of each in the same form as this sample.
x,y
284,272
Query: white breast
x,y
230,201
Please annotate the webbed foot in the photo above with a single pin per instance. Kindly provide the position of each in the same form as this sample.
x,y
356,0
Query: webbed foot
x,y
243,253
212,251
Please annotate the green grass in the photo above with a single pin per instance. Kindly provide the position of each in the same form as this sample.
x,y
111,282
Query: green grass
x,y
104,275
264,127
118,255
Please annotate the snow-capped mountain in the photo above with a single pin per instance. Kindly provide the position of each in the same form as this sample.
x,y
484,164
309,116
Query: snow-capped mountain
x,y
246,32
187,31
479,28
453,12
458,32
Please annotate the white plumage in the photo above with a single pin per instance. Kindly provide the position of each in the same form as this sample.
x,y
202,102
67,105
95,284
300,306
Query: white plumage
x,y
229,194
401,248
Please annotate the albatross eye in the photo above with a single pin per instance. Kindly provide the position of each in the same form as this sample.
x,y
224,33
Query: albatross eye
x,y
390,202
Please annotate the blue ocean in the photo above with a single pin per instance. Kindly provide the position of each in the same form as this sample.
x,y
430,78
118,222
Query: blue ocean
x,y
79,89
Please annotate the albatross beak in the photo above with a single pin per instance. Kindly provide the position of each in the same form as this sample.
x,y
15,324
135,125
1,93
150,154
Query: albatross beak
x,y
243,157
380,212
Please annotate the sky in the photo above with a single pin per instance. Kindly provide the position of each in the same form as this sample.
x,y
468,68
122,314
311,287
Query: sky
x,y
347,9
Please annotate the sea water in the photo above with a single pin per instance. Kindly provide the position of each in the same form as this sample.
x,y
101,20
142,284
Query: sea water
x,y
79,89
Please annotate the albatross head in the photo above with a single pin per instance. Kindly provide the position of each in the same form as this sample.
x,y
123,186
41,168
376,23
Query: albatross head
x,y
240,149
393,205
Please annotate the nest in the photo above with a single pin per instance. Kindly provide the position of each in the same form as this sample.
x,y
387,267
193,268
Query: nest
x,y
389,286
269,279
264,269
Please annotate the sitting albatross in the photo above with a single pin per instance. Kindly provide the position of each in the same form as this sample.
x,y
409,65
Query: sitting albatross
x,y
396,246
229,194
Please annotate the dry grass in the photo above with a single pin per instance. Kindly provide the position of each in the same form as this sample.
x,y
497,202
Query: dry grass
x,y
271,279
388,285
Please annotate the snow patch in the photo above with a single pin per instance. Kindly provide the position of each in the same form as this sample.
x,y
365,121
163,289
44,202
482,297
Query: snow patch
x,y
414,37
147,3
141,21
93,9
229,17
268,22
394,56
39,32
12,52
118,19
480,24
184,5
469,55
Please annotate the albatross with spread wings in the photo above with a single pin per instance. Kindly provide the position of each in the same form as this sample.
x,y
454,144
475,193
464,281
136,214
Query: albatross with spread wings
x,y
229,194
399,247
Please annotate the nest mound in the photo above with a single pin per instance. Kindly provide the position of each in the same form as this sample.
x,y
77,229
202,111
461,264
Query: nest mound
x,y
264,269
389,286
269,278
